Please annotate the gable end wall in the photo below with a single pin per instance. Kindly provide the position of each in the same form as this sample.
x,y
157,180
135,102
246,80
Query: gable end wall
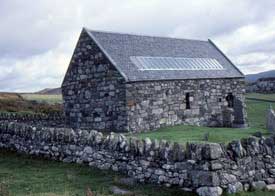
x,y
93,90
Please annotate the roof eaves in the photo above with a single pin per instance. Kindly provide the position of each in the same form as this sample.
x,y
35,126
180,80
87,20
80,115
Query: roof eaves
x,y
211,42
106,53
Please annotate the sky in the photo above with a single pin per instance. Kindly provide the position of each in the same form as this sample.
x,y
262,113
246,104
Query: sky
x,y
37,38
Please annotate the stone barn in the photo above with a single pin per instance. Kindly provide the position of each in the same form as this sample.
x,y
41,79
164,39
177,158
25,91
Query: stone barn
x,y
126,82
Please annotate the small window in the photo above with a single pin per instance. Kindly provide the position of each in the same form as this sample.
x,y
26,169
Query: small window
x,y
230,100
220,99
187,100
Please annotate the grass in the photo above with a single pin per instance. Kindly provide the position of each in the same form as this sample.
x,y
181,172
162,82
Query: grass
x,y
256,111
256,116
183,134
23,175
266,97
257,193
41,98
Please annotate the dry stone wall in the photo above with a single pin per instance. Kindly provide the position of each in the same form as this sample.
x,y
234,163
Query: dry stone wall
x,y
262,85
56,119
208,169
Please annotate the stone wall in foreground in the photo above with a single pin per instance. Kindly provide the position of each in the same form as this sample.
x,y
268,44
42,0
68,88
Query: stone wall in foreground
x,y
205,168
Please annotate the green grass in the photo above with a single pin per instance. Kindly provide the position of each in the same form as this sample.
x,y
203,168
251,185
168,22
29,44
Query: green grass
x,y
256,116
257,111
267,97
50,99
183,134
258,193
22,175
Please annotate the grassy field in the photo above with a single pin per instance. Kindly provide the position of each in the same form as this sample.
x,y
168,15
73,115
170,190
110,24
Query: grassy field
x,y
50,99
256,116
267,97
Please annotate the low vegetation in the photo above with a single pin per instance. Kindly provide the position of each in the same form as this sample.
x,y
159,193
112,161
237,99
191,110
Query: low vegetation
x,y
30,103
258,96
42,98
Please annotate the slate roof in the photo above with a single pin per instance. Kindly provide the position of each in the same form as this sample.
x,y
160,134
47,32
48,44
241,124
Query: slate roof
x,y
119,47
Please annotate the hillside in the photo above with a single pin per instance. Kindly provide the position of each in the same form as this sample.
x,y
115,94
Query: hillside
x,y
31,103
254,77
50,91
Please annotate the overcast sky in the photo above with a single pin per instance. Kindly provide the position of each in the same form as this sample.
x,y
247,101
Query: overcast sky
x,y
37,38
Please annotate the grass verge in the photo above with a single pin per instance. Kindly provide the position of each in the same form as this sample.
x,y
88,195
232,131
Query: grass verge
x,y
21,175
265,97
256,111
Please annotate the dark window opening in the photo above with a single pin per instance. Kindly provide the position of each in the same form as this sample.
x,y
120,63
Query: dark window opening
x,y
220,99
85,113
187,100
109,113
96,115
106,95
230,100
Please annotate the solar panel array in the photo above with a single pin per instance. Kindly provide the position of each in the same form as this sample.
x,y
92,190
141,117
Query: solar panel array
x,y
175,63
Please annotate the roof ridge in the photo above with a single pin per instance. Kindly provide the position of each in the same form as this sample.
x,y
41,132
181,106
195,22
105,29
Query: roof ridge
x,y
143,35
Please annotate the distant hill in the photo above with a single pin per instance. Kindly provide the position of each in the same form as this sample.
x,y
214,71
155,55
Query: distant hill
x,y
254,77
50,91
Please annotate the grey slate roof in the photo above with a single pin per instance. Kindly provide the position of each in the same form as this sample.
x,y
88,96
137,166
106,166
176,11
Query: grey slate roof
x,y
119,47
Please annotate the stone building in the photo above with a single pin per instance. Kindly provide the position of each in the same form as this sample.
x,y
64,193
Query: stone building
x,y
125,82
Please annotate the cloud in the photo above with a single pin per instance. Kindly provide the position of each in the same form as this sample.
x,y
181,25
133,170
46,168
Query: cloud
x,y
35,72
251,46
37,38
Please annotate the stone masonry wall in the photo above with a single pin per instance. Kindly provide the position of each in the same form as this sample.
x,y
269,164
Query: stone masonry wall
x,y
204,168
151,105
93,90
55,119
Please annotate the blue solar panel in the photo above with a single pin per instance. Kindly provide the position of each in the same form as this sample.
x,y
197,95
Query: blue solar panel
x,y
175,63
